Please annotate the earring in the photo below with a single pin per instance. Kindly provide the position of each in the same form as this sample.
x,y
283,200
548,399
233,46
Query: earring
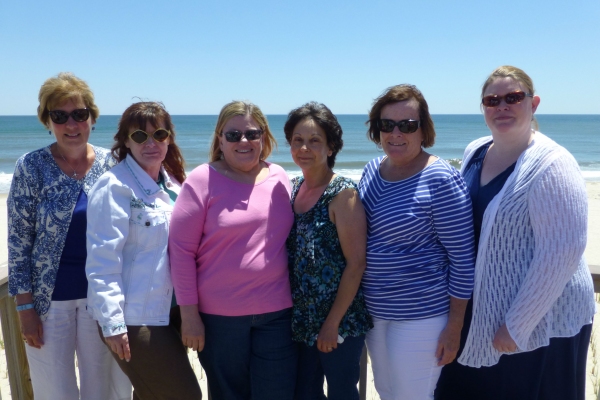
x,y
93,128
49,132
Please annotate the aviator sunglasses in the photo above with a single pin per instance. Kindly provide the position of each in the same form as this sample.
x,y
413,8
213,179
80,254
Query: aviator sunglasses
x,y
405,126
140,137
510,98
236,136
60,117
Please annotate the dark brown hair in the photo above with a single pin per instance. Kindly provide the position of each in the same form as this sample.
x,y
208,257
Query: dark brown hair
x,y
138,115
395,94
323,117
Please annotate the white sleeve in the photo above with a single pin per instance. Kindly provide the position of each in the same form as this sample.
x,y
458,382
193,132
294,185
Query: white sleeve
x,y
108,216
557,205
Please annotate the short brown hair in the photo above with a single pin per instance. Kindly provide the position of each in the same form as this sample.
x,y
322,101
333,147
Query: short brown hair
x,y
324,118
396,94
138,115
60,89
236,108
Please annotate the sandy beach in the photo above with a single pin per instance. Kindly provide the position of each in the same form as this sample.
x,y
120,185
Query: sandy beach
x,y
592,254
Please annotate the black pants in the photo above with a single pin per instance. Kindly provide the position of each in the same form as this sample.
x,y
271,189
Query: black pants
x,y
553,372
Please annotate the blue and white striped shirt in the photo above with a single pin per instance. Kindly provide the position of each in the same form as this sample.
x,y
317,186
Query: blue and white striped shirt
x,y
420,246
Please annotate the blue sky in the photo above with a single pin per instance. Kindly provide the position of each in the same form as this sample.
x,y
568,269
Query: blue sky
x,y
196,56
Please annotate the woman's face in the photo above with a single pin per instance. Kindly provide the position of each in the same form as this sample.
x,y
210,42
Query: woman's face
x,y
509,119
243,155
400,147
309,145
71,134
150,154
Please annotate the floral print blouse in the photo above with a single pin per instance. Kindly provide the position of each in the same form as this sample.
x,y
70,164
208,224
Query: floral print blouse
x,y
316,264
40,205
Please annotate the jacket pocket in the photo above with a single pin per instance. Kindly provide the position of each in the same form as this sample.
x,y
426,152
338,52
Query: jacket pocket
x,y
148,228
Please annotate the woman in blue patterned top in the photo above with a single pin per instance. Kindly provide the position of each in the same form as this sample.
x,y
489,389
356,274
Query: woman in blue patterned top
x,y
326,249
47,206
420,252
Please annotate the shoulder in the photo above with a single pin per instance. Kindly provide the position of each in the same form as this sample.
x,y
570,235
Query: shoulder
x,y
343,183
276,169
33,158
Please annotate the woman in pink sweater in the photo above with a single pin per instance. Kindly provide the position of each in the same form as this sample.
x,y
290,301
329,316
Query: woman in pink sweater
x,y
229,262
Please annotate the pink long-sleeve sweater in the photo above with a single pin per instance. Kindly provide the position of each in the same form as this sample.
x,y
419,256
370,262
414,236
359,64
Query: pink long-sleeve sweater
x,y
227,243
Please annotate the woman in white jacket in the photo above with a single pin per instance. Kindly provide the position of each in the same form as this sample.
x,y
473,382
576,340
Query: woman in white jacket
x,y
527,330
130,292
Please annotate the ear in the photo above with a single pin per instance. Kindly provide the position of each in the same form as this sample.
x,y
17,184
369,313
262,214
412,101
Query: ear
x,y
127,143
535,102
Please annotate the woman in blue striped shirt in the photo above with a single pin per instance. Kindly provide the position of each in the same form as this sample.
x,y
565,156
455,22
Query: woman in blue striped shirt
x,y
420,251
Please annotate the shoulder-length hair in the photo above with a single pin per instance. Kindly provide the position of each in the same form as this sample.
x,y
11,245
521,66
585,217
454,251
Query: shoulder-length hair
x,y
138,115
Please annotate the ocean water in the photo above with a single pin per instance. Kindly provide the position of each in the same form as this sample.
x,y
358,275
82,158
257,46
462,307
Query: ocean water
x,y
580,134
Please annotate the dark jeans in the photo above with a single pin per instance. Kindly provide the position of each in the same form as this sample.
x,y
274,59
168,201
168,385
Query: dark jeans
x,y
250,356
341,367
159,367
553,372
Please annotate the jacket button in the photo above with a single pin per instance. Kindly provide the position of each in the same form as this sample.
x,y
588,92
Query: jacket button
x,y
147,223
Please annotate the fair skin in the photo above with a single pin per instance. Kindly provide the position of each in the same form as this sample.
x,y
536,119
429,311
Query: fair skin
x,y
510,125
72,142
309,150
241,162
406,158
150,156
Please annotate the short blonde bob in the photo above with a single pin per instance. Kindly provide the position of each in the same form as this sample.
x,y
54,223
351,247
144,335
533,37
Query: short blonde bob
x,y
236,108
61,88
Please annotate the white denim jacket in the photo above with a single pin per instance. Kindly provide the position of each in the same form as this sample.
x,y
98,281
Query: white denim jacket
x,y
127,265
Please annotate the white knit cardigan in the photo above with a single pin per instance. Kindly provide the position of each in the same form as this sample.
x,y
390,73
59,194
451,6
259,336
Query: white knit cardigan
x,y
530,272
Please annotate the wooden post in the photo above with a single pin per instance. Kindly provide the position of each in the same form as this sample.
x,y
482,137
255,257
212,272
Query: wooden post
x,y
16,358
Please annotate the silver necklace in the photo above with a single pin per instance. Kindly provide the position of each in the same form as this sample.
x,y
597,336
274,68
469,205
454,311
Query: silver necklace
x,y
75,175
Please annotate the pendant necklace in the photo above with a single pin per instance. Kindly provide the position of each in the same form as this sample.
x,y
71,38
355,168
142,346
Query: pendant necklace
x,y
75,175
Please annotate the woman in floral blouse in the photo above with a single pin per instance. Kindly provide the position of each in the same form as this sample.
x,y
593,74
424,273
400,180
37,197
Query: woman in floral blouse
x,y
47,206
327,247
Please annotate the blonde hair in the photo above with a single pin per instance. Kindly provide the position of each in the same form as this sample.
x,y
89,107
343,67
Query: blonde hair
x,y
508,71
236,108
60,89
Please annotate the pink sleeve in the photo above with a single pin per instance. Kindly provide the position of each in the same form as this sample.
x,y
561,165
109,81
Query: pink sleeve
x,y
185,233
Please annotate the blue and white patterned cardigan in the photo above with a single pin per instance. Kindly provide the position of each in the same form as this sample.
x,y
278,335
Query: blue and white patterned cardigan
x,y
40,206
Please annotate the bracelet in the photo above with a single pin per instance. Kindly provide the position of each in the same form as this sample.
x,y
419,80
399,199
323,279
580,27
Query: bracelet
x,y
24,307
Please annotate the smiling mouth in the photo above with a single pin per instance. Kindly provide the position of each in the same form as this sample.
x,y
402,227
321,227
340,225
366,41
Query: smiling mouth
x,y
244,151
396,144
71,134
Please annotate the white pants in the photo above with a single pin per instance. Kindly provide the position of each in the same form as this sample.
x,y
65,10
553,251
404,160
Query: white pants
x,y
70,329
403,357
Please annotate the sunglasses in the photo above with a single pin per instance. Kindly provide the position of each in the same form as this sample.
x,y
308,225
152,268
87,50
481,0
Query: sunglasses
x,y
405,126
140,137
60,117
510,98
236,136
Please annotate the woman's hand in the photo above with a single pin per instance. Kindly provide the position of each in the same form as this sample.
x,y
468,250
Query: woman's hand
x,y
192,328
449,340
31,328
328,336
119,344
503,342
448,344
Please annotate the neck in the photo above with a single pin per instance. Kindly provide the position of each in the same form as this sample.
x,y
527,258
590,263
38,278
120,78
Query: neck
x,y
507,146
317,177
73,154
153,172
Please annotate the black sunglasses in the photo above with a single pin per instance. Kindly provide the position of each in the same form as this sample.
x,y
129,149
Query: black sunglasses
x,y
510,98
236,136
405,126
140,137
60,116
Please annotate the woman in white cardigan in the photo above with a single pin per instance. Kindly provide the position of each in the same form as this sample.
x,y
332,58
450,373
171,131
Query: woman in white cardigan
x,y
528,326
